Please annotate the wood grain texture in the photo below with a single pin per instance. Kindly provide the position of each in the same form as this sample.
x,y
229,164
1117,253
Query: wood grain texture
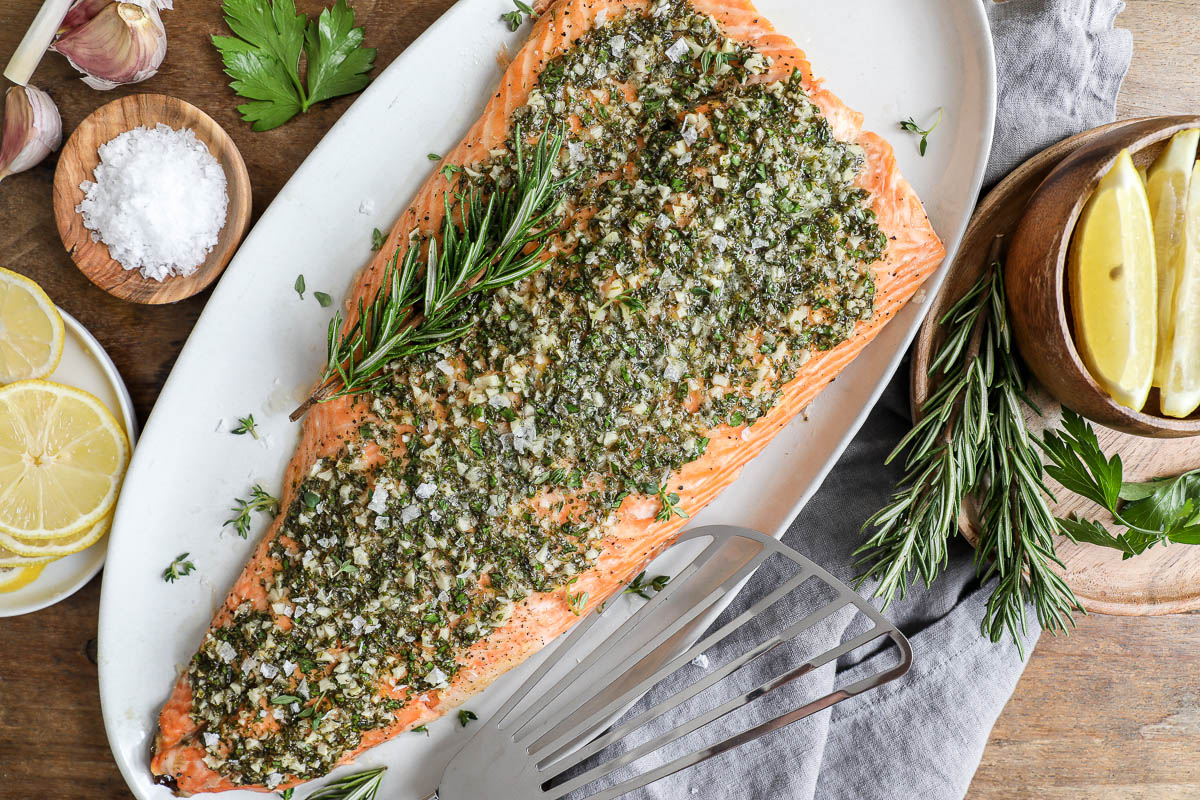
x,y
1036,275
1110,712
1164,580
77,162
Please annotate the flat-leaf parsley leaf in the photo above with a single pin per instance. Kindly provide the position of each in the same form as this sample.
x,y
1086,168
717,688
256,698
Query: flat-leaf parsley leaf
x,y
263,57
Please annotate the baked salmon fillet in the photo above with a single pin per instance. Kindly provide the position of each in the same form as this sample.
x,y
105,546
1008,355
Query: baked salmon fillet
x,y
726,239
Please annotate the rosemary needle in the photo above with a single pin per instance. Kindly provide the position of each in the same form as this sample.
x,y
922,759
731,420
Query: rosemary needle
x,y
425,298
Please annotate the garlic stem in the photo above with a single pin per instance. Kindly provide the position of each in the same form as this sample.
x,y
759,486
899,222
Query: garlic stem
x,y
32,128
122,43
33,46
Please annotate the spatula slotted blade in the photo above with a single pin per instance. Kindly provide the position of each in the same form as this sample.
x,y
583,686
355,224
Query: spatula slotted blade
x,y
554,737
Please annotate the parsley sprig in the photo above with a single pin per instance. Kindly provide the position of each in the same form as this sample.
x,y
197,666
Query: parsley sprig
x,y
260,500
263,57
1154,512
426,295
911,126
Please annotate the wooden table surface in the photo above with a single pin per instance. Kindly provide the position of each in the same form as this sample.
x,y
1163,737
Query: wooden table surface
x,y
1113,711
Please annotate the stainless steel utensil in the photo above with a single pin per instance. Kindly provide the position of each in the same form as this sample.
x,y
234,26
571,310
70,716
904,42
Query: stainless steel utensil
x,y
544,742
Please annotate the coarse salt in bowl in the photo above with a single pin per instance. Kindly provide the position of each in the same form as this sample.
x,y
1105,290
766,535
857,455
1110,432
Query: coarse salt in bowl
x,y
158,201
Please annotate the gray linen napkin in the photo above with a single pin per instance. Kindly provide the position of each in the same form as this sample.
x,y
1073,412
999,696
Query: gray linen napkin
x,y
1061,64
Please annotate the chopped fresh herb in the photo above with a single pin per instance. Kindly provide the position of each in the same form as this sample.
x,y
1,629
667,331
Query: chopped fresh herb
x,y
260,500
299,286
346,567
359,786
433,157
641,588
475,442
577,602
245,425
286,794
285,699
448,170
377,239
465,717
421,729
264,55
178,568
323,299
911,126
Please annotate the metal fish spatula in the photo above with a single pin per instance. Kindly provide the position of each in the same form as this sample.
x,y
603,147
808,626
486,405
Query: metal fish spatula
x,y
550,739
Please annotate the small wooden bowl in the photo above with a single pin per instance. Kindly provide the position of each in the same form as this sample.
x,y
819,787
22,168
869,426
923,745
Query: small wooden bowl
x,y
1035,278
80,157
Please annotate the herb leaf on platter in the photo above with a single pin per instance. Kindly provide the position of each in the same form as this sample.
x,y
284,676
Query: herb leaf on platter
x,y
357,786
911,126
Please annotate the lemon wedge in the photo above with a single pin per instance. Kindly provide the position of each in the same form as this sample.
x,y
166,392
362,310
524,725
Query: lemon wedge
x,y
13,578
1167,190
56,548
1180,386
31,329
62,458
1112,282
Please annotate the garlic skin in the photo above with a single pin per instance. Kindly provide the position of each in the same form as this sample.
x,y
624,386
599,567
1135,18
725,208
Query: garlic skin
x,y
120,43
32,128
83,10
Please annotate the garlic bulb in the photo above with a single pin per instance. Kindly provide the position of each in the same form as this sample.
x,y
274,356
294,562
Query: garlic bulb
x,y
32,128
113,43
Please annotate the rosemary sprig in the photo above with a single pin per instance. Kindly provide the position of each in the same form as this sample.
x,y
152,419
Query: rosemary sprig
x,y
260,500
972,439
359,786
425,298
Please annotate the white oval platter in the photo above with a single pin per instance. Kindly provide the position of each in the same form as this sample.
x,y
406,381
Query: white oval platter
x,y
889,60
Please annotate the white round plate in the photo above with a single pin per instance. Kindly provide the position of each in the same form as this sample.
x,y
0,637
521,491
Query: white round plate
x,y
886,59
84,365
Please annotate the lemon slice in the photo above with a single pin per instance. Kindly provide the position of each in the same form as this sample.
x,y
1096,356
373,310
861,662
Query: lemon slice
x,y
62,458
1112,279
13,578
9,560
31,329
1180,386
56,548
1167,190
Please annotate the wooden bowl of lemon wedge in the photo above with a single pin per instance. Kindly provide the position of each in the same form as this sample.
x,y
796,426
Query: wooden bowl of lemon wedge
x,y
1108,326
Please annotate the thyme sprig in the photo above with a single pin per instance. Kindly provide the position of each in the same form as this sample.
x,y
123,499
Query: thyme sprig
x,y
359,786
911,126
246,425
260,500
178,567
972,440
427,293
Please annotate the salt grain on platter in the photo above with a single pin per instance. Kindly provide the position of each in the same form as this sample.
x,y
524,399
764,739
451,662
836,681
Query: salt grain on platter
x,y
158,202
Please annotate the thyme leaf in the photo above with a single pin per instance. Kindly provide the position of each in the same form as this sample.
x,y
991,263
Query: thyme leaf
x,y
245,425
260,500
911,126
178,568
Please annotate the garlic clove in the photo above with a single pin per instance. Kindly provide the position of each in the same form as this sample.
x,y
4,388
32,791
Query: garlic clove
x,y
32,128
122,43
83,10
